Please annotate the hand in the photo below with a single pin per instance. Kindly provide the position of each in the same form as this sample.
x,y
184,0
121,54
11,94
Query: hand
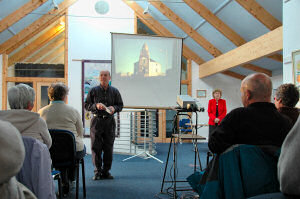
x,y
100,106
112,109
217,120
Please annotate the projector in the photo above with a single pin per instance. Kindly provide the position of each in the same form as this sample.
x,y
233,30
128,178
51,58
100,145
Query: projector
x,y
186,101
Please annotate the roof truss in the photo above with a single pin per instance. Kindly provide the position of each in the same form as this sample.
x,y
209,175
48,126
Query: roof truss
x,y
265,45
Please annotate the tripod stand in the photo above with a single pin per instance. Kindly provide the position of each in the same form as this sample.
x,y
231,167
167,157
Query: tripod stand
x,y
194,138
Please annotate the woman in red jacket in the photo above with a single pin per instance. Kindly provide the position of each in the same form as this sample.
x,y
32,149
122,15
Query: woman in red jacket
x,y
216,110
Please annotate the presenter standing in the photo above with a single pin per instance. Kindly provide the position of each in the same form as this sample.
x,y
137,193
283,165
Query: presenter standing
x,y
103,101
216,110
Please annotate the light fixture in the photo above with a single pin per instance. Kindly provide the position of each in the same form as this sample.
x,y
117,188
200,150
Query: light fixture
x,y
54,4
102,7
146,11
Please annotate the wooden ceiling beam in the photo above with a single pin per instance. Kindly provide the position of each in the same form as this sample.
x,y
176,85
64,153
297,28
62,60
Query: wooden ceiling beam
x,y
159,29
36,44
59,59
257,69
34,28
193,33
186,28
276,57
53,54
265,45
233,74
217,23
18,14
260,13
58,40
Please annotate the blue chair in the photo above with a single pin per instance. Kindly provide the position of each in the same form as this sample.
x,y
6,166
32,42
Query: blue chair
x,y
56,176
185,126
63,154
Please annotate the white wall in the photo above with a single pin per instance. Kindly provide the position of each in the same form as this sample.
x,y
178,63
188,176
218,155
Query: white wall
x,y
291,32
90,38
230,92
1,81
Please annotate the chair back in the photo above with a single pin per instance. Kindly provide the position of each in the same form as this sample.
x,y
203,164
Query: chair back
x,y
184,125
63,149
35,173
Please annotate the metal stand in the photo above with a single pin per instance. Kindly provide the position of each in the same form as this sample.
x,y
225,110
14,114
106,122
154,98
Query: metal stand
x,y
194,138
145,153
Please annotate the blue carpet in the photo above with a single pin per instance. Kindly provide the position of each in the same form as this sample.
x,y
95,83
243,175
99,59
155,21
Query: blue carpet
x,y
140,178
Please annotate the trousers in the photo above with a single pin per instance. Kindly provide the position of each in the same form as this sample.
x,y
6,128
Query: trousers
x,y
102,132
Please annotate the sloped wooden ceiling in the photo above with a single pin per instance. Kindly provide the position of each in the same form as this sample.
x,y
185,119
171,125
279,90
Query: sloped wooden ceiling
x,y
31,30
207,41
210,29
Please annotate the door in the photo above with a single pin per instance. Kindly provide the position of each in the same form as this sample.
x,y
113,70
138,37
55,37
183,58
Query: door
x,y
42,94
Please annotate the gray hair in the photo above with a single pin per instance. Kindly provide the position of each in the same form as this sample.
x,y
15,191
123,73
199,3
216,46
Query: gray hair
x,y
20,96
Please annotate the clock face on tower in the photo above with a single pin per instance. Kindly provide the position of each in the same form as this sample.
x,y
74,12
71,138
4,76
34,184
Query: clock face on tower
x,y
102,7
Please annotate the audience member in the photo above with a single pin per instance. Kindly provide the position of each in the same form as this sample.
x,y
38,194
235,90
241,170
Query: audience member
x,y
257,123
289,163
286,98
216,110
59,115
21,101
12,155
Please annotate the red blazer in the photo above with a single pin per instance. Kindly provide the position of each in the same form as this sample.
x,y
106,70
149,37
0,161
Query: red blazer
x,y
212,110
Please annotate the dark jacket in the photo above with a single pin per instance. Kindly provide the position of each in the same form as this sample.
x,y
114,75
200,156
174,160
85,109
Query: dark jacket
x,y
291,113
258,124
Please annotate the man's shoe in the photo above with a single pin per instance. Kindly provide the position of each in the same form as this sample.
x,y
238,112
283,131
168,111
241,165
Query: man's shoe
x,y
106,176
97,176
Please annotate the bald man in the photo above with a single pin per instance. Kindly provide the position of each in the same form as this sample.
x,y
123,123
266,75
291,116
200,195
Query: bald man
x,y
257,123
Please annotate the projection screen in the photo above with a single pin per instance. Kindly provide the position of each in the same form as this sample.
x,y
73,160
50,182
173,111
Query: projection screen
x,y
146,69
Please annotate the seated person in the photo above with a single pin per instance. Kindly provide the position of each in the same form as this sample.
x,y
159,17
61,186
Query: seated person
x,y
59,115
257,123
21,101
285,100
259,130
289,163
12,155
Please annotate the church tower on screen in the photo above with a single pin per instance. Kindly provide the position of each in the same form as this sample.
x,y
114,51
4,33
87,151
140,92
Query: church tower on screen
x,y
145,66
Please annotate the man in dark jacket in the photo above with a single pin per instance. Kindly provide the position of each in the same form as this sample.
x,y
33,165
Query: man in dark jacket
x,y
103,101
285,100
257,123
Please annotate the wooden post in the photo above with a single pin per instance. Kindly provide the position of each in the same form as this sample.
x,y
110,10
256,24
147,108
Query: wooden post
x,y
4,83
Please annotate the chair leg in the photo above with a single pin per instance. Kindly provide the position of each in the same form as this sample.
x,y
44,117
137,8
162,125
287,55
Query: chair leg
x,y
83,178
59,187
77,180
207,158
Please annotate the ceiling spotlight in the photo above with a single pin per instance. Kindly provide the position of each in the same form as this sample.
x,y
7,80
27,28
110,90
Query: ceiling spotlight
x,y
54,5
146,11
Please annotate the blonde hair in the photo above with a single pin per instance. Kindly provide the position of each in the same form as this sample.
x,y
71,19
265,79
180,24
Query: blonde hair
x,y
215,91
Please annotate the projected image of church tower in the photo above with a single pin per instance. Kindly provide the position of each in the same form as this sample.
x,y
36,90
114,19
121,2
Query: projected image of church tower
x,y
146,67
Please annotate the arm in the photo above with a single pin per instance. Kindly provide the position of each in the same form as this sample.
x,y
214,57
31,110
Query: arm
x,y
89,103
224,111
223,135
211,115
45,133
118,105
79,125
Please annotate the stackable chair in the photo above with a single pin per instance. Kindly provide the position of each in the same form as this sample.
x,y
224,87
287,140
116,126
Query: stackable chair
x,y
63,154
185,126
35,173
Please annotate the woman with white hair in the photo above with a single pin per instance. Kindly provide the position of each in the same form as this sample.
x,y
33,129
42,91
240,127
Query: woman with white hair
x,y
21,101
